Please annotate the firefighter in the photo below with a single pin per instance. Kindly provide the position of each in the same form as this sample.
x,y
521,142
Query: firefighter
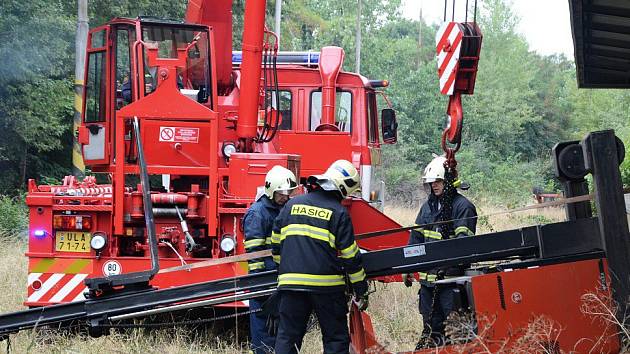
x,y
313,241
437,301
257,225
125,90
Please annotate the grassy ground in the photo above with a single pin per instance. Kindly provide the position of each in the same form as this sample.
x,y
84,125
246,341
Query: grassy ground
x,y
393,308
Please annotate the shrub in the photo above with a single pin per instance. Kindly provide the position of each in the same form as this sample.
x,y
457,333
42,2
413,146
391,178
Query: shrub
x,y
13,215
403,186
625,168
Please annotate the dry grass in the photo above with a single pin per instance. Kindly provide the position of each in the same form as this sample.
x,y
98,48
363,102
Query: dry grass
x,y
395,316
394,308
13,269
491,218
138,341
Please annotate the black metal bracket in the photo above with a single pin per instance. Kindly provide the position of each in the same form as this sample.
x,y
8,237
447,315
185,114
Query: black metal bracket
x,y
600,154
603,153
537,243
568,159
136,280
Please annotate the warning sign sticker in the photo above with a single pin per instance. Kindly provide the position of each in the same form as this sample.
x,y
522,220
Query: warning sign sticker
x,y
179,134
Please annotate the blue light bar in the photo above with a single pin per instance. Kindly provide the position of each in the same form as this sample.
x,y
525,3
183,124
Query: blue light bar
x,y
297,58
237,58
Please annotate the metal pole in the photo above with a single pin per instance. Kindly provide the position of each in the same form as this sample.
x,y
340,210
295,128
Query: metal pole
x,y
358,41
78,167
601,158
445,7
251,68
420,37
278,19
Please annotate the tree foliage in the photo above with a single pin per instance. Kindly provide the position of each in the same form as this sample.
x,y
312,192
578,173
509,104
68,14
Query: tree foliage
x,y
523,103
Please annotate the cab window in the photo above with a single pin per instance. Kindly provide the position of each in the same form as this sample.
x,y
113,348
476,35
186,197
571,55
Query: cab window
x,y
372,117
98,39
124,89
285,108
195,78
343,110
95,88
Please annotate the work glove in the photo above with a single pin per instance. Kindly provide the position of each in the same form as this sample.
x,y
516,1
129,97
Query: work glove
x,y
360,297
272,324
271,309
408,279
360,288
362,301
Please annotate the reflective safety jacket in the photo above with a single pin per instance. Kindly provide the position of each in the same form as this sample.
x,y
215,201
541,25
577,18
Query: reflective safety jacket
x,y
313,240
464,224
257,225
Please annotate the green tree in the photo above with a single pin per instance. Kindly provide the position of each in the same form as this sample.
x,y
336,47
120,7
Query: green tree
x,y
35,88
523,102
36,93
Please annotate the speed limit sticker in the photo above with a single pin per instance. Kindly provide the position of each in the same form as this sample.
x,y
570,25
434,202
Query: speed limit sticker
x,y
112,268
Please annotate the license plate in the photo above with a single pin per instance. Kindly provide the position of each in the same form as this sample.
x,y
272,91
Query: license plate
x,y
71,241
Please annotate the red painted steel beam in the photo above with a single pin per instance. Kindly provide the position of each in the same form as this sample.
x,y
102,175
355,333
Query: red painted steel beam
x,y
251,68
218,15
330,61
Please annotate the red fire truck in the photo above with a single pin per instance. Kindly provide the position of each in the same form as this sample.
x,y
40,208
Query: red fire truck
x,y
211,123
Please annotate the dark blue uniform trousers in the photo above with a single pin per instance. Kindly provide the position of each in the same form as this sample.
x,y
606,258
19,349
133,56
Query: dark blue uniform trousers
x,y
434,314
331,310
261,342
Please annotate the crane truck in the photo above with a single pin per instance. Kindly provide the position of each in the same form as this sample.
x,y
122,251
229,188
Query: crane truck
x,y
167,104
211,124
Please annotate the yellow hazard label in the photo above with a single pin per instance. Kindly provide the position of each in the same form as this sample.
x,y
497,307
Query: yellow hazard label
x,y
314,212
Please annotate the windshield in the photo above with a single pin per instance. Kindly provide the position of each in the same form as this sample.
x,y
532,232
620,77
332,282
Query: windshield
x,y
343,110
194,79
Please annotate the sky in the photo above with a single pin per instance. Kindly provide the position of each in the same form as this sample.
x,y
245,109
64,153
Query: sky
x,y
544,23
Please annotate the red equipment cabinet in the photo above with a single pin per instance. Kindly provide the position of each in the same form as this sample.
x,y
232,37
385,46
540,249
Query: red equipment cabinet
x,y
247,171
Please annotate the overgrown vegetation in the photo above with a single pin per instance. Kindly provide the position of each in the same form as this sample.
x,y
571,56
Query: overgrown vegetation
x,y
13,216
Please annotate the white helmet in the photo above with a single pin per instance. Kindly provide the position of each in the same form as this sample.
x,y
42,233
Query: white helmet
x,y
281,180
434,170
341,176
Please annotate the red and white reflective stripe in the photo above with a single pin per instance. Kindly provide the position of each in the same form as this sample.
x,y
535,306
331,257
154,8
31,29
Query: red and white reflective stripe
x,y
56,287
76,281
47,285
448,45
32,277
80,296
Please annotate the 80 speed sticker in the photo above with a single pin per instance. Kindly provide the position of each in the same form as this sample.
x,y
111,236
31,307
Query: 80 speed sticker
x,y
112,268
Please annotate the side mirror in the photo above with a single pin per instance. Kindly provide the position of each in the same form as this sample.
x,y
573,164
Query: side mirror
x,y
389,126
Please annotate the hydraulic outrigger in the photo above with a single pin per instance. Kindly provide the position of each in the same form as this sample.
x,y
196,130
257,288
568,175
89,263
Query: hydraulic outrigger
x,y
603,239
